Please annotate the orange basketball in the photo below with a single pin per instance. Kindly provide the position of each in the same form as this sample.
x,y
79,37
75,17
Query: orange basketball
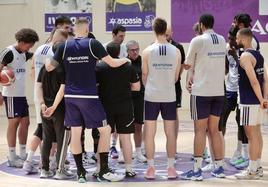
x,y
7,77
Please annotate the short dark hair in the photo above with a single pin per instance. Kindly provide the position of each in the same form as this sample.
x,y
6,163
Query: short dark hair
x,y
27,35
160,26
243,18
61,20
207,20
113,49
118,28
246,32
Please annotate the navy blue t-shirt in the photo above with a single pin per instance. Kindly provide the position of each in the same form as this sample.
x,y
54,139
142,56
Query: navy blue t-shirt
x,y
79,57
246,92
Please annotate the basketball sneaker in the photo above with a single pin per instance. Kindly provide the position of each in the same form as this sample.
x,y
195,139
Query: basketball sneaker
x,y
140,158
172,173
63,175
29,167
260,172
192,175
209,167
150,173
87,159
130,174
16,163
218,172
46,174
110,177
242,165
247,175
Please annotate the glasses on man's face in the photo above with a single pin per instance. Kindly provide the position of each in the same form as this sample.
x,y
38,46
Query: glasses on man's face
x,y
134,50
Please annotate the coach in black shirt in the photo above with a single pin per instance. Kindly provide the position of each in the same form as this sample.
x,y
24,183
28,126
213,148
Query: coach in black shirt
x,y
115,85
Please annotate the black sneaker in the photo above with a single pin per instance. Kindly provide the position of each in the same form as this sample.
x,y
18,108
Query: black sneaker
x,y
130,174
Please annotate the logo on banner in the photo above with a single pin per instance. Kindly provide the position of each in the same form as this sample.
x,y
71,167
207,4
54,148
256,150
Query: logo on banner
x,y
127,22
148,22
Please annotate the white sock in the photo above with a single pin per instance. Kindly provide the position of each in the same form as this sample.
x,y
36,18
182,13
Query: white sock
x,y
138,150
128,167
219,163
150,162
142,145
12,153
253,165
239,146
23,151
245,150
197,163
30,156
258,163
171,162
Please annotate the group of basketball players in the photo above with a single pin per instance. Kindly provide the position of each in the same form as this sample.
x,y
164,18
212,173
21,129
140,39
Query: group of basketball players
x,y
125,90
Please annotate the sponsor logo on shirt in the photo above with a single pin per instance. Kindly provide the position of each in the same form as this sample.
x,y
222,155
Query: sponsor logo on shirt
x,y
22,70
216,54
162,66
78,59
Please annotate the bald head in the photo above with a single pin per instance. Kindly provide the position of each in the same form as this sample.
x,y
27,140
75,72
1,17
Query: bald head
x,y
169,33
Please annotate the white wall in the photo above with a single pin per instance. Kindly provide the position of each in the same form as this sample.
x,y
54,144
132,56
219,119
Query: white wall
x,y
15,17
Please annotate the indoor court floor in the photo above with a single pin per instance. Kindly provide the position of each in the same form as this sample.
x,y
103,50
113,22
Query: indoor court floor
x,y
185,143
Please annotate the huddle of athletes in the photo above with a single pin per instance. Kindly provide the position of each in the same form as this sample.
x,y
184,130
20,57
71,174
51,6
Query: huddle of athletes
x,y
111,89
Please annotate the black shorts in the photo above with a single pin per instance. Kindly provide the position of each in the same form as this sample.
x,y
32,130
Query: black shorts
x,y
138,106
121,118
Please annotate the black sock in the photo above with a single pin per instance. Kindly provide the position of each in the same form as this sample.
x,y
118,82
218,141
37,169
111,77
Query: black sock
x,y
104,162
96,147
79,163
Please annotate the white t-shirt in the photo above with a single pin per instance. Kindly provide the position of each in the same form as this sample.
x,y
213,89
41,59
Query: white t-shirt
x,y
41,54
123,49
18,65
207,54
162,65
232,76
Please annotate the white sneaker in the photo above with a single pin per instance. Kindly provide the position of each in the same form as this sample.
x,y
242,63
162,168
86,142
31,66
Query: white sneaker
x,y
247,175
46,174
209,167
87,160
141,158
111,177
29,167
260,172
16,163
121,158
64,174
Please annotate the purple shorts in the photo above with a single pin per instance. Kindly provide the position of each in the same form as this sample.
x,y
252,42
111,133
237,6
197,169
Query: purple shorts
x,y
82,111
16,107
152,109
202,107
